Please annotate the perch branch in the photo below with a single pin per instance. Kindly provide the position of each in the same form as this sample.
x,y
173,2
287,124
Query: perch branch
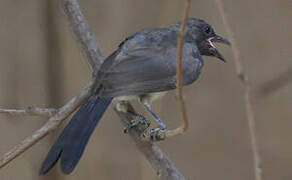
x,y
48,112
246,86
163,167
179,83
84,37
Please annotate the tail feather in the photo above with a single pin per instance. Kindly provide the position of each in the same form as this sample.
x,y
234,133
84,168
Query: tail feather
x,y
71,143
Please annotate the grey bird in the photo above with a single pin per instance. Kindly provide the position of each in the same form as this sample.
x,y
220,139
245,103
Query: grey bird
x,y
143,68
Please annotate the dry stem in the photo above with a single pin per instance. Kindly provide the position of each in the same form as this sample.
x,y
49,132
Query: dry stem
x,y
245,83
179,83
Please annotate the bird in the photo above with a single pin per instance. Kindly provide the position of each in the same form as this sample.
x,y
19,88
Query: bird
x,y
142,68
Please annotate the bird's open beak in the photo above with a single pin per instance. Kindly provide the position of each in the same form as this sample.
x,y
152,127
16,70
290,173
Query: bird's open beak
x,y
213,50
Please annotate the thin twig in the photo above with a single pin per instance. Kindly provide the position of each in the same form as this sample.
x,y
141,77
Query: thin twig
x,y
179,83
48,112
50,125
246,85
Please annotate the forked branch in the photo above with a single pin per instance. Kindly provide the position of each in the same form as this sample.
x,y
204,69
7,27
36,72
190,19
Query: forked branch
x,y
50,125
164,168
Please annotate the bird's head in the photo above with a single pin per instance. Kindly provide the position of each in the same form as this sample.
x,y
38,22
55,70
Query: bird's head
x,y
205,37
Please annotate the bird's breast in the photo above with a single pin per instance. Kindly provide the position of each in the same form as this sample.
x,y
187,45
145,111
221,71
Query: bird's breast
x,y
151,96
192,70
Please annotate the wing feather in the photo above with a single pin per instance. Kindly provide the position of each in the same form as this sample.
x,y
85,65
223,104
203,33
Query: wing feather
x,y
141,70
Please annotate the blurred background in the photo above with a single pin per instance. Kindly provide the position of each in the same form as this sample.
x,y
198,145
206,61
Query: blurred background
x,y
41,65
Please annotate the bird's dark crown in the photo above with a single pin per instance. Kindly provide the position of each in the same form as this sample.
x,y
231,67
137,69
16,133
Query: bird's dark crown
x,y
203,35
197,28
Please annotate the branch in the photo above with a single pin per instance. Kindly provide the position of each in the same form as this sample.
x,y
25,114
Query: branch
x,y
246,86
84,37
50,125
83,34
48,112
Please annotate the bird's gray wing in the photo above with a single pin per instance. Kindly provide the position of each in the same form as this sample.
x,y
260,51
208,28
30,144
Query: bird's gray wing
x,y
146,70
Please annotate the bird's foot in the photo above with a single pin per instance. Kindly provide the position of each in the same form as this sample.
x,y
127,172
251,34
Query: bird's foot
x,y
140,122
156,134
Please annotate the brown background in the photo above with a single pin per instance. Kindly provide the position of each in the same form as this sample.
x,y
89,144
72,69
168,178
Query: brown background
x,y
42,66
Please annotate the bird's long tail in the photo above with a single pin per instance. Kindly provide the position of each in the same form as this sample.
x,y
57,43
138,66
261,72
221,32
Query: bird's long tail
x,y
71,143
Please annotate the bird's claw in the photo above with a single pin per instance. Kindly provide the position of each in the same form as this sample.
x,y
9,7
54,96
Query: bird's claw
x,y
140,122
156,134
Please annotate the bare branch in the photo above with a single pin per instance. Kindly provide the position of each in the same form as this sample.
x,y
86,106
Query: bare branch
x,y
84,37
246,86
179,83
50,125
160,163
48,112
83,34
163,167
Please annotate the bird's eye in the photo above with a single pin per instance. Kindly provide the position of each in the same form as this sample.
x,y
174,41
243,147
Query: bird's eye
x,y
207,29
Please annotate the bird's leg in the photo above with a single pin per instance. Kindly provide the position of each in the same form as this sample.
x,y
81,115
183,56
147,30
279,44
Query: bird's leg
x,y
156,117
122,106
158,133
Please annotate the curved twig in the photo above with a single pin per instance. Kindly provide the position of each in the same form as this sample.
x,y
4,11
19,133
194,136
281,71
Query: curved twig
x,y
179,83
